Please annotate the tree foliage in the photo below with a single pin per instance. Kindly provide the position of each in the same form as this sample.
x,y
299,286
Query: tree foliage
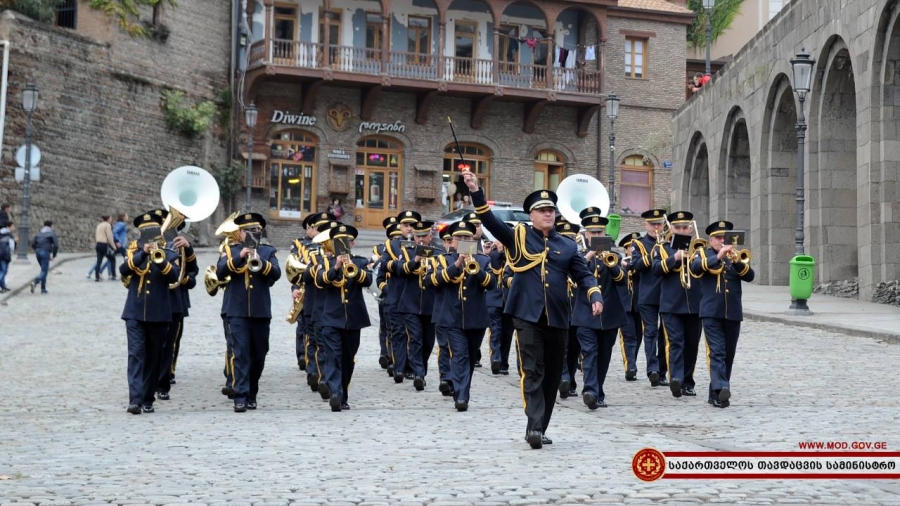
x,y
39,10
127,13
229,177
721,17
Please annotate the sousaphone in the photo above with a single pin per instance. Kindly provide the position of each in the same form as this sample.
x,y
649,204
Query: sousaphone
x,y
578,192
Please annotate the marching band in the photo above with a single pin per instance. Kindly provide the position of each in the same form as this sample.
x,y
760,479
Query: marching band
x,y
555,294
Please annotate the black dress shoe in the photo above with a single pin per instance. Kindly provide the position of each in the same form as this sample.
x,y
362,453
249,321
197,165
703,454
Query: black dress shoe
x,y
390,370
631,375
546,440
240,407
564,389
675,387
147,408
495,367
344,406
721,404
663,382
134,409
724,395
324,391
228,391
601,404
444,387
251,404
535,439
398,378
312,379
383,362
478,364
419,383
504,371
335,403
163,396
689,392
590,400
461,405
654,379
408,375
302,365
573,392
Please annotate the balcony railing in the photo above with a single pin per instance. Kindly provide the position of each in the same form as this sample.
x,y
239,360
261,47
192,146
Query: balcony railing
x,y
291,53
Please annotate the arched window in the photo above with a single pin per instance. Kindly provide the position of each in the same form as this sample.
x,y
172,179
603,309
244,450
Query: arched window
x,y
549,170
477,159
636,188
292,168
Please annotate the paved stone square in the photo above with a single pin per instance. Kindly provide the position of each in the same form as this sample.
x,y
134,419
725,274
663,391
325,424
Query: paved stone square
x,y
65,437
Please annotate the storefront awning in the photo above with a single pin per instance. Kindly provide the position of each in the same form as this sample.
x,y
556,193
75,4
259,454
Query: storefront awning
x,y
256,156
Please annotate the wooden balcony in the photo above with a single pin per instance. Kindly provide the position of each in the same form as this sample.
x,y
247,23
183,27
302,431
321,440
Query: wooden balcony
x,y
425,67
426,75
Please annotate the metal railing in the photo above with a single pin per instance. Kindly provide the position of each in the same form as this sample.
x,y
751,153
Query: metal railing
x,y
359,60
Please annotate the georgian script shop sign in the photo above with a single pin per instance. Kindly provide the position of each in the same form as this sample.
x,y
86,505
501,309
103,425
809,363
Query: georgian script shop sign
x,y
301,119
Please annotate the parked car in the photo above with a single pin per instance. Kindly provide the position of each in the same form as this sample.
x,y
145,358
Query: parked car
x,y
503,210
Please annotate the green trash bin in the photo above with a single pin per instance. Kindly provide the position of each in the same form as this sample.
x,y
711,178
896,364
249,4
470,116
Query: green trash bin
x,y
612,228
802,270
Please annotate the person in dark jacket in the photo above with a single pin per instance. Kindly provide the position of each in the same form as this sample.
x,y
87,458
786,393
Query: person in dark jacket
x,y
46,246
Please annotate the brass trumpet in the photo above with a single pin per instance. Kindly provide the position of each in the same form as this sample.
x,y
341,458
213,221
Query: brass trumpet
x,y
471,266
157,254
254,264
349,268
609,259
738,256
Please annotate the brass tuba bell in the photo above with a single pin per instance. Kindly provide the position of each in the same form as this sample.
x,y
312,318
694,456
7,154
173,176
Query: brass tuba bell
x,y
294,269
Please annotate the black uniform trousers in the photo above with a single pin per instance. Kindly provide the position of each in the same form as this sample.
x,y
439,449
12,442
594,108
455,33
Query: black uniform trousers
x,y
682,333
167,364
145,342
229,355
506,343
429,336
311,346
721,345
443,343
463,344
631,336
340,346
384,332
570,363
300,342
250,341
407,345
596,351
496,340
541,352
654,340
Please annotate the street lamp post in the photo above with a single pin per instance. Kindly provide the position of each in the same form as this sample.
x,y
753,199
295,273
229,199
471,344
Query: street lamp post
x,y
29,104
612,111
250,114
708,6
802,66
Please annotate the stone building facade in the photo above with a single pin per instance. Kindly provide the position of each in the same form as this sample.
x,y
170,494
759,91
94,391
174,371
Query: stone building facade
x,y
736,143
102,133
522,121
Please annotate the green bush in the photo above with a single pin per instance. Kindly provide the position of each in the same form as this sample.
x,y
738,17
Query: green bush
x,y
230,178
191,120
39,10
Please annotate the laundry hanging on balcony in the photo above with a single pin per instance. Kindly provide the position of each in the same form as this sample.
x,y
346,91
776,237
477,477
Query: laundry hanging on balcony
x,y
590,54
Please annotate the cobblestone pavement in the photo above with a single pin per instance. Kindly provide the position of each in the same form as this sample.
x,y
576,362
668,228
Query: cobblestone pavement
x,y
66,438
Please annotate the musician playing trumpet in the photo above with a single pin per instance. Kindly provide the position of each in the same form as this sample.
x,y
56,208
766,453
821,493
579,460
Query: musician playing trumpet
x,y
249,309
720,280
344,314
462,317
679,307
597,334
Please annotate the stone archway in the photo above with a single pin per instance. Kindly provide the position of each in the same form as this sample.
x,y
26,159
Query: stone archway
x,y
878,257
832,169
777,204
697,180
734,182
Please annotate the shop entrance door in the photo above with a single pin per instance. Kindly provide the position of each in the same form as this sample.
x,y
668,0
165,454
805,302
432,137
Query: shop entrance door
x,y
377,195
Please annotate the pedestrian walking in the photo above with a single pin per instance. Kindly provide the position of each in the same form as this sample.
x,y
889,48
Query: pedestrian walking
x,y
46,246
105,246
7,246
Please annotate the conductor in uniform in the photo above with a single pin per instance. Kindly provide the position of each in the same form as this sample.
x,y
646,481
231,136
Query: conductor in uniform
x,y
542,261
721,308
147,313
249,310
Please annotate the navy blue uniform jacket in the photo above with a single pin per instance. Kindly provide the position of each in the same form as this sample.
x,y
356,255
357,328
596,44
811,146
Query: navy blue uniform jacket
x,y
720,285
613,315
343,304
149,298
248,292
464,296
673,297
542,267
